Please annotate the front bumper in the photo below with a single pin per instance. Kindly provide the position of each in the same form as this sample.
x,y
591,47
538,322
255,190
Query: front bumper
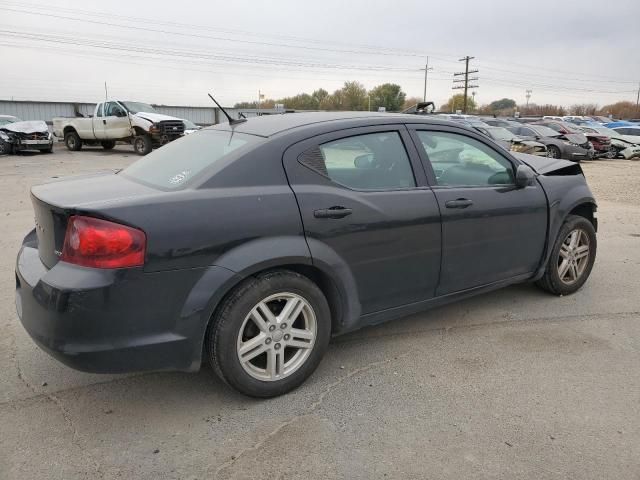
x,y
108,321
34,144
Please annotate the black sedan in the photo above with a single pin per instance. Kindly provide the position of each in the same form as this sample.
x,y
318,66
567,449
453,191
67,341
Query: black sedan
x,y
251,244
570,147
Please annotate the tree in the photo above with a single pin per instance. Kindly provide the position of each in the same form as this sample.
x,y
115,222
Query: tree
x,y
456,102
620,110
539,110
502,104
320,96
388,95
354,96
583,109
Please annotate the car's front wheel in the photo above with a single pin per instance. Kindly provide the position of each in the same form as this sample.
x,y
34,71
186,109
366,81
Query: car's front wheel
x,y
553,152
269,334
572,257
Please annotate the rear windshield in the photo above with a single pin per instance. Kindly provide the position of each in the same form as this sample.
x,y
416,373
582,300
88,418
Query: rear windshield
x,y
174,165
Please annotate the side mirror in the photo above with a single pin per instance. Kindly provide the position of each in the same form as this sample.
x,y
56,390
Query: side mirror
x,y
524,176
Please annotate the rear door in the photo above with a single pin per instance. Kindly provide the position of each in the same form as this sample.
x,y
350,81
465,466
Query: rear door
x,y
362,193
491,230
115,122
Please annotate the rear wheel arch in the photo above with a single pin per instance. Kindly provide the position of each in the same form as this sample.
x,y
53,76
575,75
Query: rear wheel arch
x,y
68,129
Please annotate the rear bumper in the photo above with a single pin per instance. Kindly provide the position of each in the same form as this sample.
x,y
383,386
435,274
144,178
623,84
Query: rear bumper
x,y
109,321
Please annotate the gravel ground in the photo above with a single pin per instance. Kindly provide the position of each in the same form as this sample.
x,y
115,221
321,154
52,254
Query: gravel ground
x,y
512,384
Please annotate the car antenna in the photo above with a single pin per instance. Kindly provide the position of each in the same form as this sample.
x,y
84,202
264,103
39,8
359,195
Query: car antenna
x,y
231,120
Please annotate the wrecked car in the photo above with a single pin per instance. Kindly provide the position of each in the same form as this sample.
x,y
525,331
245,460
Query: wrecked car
x,y
510,141
25,135
317,224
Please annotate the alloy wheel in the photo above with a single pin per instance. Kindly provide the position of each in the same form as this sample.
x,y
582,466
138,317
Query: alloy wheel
x,y
573,257
277,336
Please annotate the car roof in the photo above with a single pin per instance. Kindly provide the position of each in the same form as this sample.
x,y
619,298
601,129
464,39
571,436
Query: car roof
x,y
269,125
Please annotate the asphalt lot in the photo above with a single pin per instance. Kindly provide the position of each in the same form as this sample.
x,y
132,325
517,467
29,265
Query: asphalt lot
x,y
512,384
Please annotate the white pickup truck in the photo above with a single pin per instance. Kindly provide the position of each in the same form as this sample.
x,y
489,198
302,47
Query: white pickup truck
x,y
134,122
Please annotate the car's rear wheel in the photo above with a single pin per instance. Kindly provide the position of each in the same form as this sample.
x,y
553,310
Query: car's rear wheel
x,y
73,141
269,334
553,152
572,257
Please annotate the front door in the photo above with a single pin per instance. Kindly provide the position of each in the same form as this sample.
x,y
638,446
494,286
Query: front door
x,y
491,230
363,195
115,122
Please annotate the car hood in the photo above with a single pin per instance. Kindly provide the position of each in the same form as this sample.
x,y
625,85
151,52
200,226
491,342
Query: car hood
x,y
577,138
155,117
30,126
543,165
530,143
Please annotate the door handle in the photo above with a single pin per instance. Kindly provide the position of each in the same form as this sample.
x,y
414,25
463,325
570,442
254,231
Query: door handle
x,y
333,212
459,203
104,122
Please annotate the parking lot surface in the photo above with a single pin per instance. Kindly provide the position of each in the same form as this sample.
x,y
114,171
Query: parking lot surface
x,y
512,384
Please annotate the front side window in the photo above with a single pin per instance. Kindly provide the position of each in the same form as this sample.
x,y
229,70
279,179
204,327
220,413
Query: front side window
x,y
376,161
112,109
458,160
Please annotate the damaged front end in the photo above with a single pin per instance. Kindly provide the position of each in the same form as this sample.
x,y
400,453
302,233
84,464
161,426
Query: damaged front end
x,y
529,147
30,135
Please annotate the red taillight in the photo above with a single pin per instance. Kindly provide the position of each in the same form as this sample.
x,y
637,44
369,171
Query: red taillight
x,y
92,242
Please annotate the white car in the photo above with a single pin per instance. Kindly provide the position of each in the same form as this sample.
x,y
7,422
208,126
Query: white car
x,y
630,133
625,145
17,135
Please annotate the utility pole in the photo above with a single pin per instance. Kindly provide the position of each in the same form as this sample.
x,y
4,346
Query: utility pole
x,y
106,94
426,72
466,80
528,95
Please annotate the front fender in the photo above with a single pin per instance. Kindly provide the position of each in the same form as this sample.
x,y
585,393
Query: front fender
x,y
564,194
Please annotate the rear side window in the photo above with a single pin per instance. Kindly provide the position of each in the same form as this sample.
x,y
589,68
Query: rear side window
x,y
375,161
175,164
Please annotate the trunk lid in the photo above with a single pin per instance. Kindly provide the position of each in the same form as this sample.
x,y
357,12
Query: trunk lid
x,y
55,202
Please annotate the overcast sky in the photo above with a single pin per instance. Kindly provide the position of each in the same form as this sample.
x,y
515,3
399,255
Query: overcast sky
x,y
566,51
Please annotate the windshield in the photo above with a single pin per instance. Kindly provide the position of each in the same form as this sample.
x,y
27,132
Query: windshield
x,y
544,131
606,131
135,107
8,120
175,164
500,133
189,125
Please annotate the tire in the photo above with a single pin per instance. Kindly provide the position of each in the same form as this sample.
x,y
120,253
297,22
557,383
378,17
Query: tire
x,y
142,144
5,148
573,279
233,328
73,141
611,153
108,145
553,152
